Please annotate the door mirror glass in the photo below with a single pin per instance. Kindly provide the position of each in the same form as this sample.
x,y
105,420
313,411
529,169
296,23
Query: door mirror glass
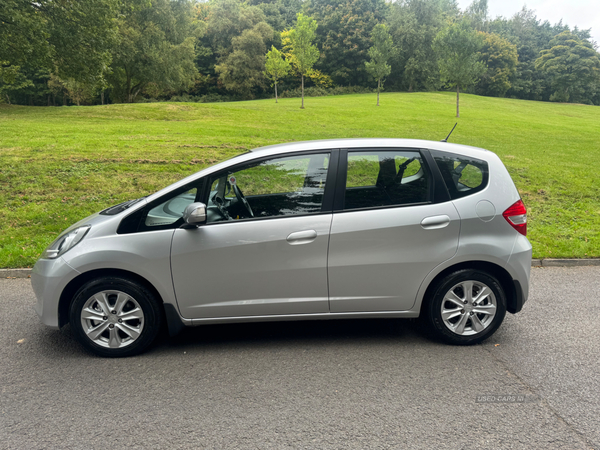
x,y
195,213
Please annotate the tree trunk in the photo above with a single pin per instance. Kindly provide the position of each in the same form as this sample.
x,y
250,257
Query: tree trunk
x,y
128,88
102,97
135,94
302,107
378,86
457,95
275,91
7,98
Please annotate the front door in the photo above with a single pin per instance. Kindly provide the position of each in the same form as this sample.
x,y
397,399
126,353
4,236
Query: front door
x,y
264,248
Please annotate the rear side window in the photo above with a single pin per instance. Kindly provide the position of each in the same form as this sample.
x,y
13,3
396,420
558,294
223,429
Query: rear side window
x,y
463,175
385,178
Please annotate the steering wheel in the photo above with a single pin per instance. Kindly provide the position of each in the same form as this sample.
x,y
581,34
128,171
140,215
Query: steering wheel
x,y
242,199
220,204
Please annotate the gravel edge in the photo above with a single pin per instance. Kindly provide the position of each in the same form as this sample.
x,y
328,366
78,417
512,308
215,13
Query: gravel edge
x,y
547,262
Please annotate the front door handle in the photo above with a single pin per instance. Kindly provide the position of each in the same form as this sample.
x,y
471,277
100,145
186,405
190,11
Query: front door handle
x,y
302,237
435,222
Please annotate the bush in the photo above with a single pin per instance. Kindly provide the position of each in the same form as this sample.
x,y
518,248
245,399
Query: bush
x,y
315,91
206,98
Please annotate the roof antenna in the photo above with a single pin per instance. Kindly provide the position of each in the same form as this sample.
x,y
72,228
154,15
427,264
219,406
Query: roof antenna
x,y
446,140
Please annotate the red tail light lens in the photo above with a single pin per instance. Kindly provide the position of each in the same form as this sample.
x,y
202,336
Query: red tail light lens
x,y
516,216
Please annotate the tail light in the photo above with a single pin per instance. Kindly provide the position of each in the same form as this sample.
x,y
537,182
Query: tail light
x,y
516,216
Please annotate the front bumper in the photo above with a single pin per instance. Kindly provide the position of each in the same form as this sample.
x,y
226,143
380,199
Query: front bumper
x,y
48,279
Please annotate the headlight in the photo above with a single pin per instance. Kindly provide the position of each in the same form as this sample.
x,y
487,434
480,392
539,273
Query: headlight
x,y
65,242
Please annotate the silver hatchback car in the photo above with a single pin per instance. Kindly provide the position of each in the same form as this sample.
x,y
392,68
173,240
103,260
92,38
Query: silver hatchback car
x,y
357,228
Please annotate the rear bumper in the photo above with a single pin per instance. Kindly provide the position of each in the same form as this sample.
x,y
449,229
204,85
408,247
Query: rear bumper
x,y
518,299
520,265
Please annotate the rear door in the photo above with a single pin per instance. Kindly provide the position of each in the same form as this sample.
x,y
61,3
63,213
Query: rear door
x,y
386,233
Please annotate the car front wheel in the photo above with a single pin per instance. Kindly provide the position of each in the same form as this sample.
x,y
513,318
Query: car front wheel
x,y
115,317
466,308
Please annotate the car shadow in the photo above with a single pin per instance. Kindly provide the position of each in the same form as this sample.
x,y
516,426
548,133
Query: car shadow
x,y
321,332
54,344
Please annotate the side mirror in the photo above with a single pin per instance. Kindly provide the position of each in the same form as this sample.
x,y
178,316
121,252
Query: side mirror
x,y
195,214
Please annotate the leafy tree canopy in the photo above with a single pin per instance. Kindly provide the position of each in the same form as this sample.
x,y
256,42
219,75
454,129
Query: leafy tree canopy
x,y
345,27
500,57
414,24
156,45
243,69
572,64
72,38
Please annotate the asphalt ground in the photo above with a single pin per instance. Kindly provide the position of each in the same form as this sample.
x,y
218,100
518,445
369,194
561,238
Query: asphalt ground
x,y
339,384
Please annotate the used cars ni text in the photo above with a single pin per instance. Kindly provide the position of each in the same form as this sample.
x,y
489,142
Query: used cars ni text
x,y
352,228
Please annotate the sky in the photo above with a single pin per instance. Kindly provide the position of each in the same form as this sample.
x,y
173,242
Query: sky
x,y
581,13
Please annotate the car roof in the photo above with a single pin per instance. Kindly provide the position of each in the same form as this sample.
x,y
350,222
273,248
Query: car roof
x,y
367,143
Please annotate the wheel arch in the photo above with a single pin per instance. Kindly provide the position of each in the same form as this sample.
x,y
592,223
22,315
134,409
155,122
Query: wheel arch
x,y
76,283
511,287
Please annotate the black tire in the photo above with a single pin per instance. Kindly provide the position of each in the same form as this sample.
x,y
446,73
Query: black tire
x,y
125,330
476,326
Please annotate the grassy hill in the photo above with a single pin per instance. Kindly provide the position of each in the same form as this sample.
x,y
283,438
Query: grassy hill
x,y
58,165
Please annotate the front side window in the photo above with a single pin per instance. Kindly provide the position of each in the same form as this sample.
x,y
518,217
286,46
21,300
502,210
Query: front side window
x,y
385,178
171,210
276,187
463,175
162,214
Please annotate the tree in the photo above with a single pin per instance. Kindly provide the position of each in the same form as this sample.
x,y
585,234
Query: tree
x,y
243,69
500,57
477,15
380,53
414,24
280,14
573,66
276,67
12,80
223,20
343,36
156,45
530,36
228,19
457,47
73,38
298,42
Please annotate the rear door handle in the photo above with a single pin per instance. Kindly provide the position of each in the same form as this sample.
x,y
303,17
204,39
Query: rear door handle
x,y
302,237
435,222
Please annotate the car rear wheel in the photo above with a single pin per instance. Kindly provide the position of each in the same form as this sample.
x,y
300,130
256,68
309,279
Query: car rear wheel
x,y
115,317
466,308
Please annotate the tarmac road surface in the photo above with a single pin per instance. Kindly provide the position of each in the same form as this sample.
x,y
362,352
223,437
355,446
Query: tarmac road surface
x,y
323,385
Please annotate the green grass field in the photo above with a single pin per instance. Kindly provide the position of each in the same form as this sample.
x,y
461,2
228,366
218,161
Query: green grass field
x,y
58,165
